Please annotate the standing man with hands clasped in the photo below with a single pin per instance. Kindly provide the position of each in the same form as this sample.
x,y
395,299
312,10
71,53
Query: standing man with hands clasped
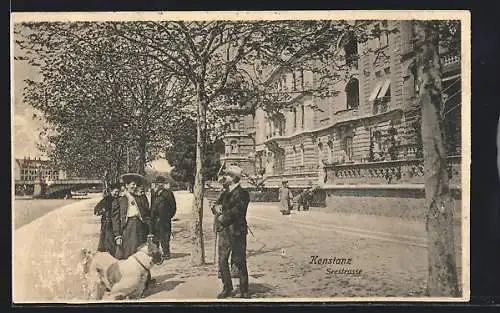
x,y
163,207
232,229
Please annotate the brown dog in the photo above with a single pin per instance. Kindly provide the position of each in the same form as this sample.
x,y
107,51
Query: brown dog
x,y
124,279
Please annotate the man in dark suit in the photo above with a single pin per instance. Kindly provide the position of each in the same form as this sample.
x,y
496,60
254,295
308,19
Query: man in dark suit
x,y
216,210
232,228
163,207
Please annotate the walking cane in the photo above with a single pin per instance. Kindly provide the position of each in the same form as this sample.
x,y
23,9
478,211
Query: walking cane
x,y
215,231
216,217
215,246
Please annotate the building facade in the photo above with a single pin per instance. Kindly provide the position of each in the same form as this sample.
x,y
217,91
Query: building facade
x,y
35,169
367,133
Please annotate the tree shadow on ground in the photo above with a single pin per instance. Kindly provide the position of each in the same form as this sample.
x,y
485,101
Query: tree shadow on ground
x,y
263,250
161,287
178,255
162,278
257,290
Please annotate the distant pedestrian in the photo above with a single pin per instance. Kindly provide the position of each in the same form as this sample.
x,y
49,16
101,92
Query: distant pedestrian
x,y
163,209
285,198
304,200
103,209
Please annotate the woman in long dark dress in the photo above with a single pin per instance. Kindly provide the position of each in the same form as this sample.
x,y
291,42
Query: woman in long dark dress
x,y
103,208
131,218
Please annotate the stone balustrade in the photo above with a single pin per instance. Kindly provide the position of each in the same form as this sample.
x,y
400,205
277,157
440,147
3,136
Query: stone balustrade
x,y
387,172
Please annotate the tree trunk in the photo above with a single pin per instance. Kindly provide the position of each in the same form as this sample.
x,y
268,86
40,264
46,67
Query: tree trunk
x,y
442,271
198,252
141,167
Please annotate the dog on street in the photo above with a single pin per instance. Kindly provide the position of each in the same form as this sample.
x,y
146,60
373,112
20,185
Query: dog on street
x,y
113,279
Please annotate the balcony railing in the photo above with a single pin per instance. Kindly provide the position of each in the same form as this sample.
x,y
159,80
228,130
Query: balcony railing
x,y
302,169
345,114
450,62
387,172
450,59
381,105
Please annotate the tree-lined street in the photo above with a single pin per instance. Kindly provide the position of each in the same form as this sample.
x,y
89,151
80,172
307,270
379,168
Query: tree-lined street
x,y
388,251
117,95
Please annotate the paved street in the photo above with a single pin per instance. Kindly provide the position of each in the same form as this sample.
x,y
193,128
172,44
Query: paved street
x,y
374,256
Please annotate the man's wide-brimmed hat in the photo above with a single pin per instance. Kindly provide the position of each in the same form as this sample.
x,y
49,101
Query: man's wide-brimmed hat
x,y
160,179
129,177
234,171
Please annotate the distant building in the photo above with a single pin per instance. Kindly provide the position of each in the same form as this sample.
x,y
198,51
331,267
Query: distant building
x,y
367,133
33,169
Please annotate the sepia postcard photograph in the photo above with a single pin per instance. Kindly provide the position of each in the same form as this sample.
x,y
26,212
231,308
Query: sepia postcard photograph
x,y
250,156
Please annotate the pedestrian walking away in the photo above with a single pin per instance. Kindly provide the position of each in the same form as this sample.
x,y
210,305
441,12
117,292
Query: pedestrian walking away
x,y
232,231
304,200
285,198
103,209
163,209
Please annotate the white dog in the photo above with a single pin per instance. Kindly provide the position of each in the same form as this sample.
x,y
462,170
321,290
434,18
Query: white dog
x,y
123,279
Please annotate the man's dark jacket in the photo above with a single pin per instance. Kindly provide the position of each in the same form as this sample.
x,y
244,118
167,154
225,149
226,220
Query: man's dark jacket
x,y
234,211
119,214
163,206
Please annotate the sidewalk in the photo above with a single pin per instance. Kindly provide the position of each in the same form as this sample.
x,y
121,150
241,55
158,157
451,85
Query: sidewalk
x,y
46,253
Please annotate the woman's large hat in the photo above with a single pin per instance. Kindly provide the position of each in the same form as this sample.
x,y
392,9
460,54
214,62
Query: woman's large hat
x,y
129,177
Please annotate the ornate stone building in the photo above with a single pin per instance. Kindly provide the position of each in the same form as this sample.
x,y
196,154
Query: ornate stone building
x,y
368,133
33,169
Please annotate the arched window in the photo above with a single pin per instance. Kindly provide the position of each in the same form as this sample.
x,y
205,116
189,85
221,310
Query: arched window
x,y
377,146
280,124
351,50
330,151
348,148
269,129
352,93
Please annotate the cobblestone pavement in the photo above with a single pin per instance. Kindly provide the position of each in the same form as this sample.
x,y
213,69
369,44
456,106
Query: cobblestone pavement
x,y
374,256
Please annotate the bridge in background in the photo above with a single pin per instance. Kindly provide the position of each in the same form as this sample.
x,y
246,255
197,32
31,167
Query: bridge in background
x,y
59,187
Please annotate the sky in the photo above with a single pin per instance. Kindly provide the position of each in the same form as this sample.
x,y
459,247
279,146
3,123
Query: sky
x,y
25,128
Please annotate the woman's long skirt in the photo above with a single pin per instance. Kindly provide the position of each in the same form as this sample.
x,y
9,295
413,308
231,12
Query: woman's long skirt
x,y
106,238
134,235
